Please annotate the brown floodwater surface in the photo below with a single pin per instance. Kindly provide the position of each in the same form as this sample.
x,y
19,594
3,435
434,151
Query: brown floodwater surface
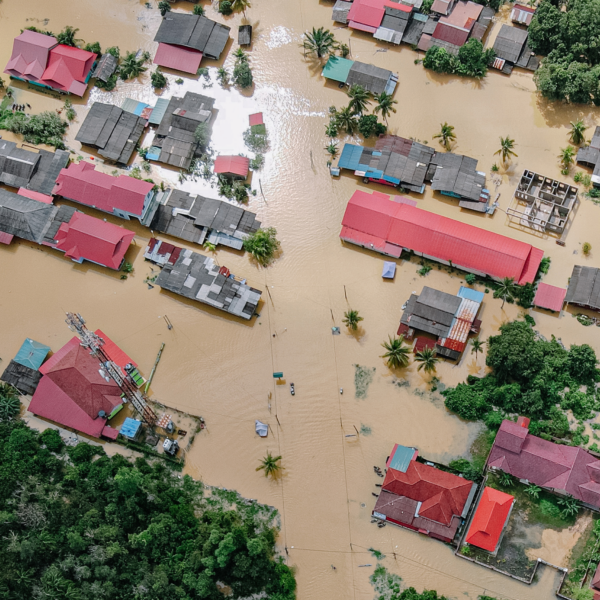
x,y
221,368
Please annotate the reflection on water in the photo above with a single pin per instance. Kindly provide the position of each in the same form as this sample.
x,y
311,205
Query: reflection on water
x,y
222,369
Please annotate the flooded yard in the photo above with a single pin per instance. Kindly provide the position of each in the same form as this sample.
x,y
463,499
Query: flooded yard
x,y
221,368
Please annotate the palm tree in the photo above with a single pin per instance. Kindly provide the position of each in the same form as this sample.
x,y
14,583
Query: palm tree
x,y
209,246
577,130
506,290
428,359
131,67
67,36
446,135
385,105
269,464
164,7
359,99
241,5
352,319
332,149
346,119
506,148
320,41
397,354
566,156
477,346
9,402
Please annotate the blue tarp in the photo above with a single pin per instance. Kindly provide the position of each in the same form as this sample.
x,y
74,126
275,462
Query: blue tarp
x,y
130,428
350,158
470,294
153,153
389,269
32,354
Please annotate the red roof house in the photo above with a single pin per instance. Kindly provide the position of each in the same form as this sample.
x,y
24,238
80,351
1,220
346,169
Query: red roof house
x,y
41,60
114,353
178,58
88,238
123,196
366,15
522,14
565,469
490,519
550,297
256,119
232,166
373,222
423,498
73,392
456,27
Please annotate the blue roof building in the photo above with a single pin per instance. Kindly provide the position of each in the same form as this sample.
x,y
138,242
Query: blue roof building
x,y
130,428
32,354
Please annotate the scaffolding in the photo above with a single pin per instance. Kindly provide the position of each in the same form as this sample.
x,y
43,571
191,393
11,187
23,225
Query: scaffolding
x,y
95,345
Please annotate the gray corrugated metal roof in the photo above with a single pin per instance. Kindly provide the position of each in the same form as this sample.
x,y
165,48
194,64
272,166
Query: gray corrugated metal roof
x,y
48,169
106,66
509,43
245,35
372,78
457,174
217,41
63,215
25,379
24,218
340,11
584,287
413,32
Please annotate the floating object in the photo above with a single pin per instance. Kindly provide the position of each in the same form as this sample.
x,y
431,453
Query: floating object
x,y
335,331
341,390
261,428
389,269
292,389
278,375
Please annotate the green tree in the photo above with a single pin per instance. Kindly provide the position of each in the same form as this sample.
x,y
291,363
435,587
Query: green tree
x,y
67,36
544,29
94,47
427,359
10,405
446,135
198,10
506,290
158,79
477,346
577,134
397,354
319,41
269,464
225,7
202,135
346,120
352,319
242,74
368,126
241,5
164,7
385,105
222,75
359,99
332,150
506,150
131,66
262,245
570,506
566,156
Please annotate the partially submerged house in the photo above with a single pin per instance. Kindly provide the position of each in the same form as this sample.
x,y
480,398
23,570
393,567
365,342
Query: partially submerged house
x,y
175,143
374,222
512,50
521,14
75,393
40,60
234,167
162,253
105,67
244,35
589,156
199,278
549,297
123,196
447,317
565,470
418,496
367,15
584,287
547,203
340,11
23,371
35,171
490,519
197,219
352,72
183,39
114,132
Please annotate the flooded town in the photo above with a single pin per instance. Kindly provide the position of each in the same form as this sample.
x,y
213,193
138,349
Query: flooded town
x,y
258,344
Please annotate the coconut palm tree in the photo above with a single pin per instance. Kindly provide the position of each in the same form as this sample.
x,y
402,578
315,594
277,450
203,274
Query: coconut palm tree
x,y
352,319
131,67
427,359
269,465
477,346
385,105
241,5
332,149
397,354
9,402
506,290
67,36
577,130
506,149
359,99
346,119
446,135
320,41
566,157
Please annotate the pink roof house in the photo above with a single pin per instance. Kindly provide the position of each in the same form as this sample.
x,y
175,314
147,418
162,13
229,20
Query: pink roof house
x,y
122,196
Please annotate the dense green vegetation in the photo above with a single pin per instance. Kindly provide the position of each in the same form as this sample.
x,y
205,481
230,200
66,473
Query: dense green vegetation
x,y
262,245
532,377
45,128
472,60
569,37
242,74
77,524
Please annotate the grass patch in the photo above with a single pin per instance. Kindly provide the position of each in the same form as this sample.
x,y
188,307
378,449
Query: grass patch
x,y
363,377
584,555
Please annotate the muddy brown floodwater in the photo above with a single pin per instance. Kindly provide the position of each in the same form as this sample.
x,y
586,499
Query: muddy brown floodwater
x,y
221,368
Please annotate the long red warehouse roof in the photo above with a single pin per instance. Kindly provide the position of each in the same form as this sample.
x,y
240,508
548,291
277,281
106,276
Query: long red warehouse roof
x,y
373,220
489,520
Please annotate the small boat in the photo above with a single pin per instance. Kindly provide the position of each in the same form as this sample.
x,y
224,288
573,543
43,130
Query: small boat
x,y
292,389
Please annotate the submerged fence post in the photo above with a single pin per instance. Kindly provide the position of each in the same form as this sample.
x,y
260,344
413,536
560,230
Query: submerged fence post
x,y
154,368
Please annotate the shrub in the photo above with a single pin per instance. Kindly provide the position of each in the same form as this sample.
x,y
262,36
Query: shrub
x,y
158,80
586,248
262,245
470,278
256,164
255,141
225,7
545,264
368,126
242,75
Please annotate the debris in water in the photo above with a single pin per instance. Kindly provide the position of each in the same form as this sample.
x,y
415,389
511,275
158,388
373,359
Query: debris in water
x,y
364,429
363,377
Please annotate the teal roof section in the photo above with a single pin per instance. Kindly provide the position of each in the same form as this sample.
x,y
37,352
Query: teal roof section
x,y
401,457
133,106
32,354
470,294
159,111
337,68
350,157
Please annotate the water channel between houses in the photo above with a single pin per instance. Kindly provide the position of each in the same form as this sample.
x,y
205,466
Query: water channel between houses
x,y
221,368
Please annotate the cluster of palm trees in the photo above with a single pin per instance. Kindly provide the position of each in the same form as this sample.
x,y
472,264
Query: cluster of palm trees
x,y
577,137
397,355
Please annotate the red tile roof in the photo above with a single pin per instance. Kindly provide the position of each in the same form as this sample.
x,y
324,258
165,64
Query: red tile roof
x,y
88,238
441,494
367,15
452,34
72,391
256,119
372,221
565,468
232,165
30,55
82,183
178,58
550,297
489,519
115,353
